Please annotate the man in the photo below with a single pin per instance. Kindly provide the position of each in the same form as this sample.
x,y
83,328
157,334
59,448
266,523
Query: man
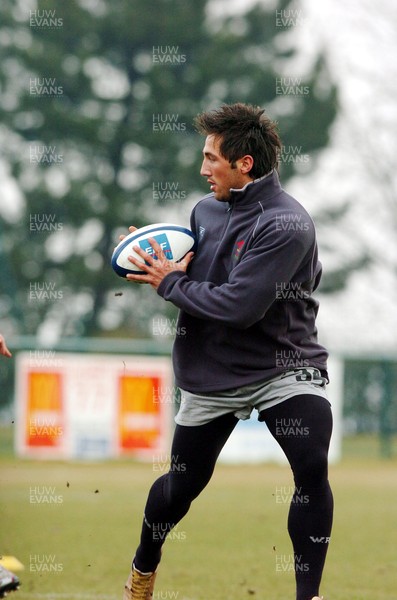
x,y
8,581
250,340
3,347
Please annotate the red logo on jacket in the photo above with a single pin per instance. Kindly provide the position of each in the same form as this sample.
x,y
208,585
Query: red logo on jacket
x,y
237,251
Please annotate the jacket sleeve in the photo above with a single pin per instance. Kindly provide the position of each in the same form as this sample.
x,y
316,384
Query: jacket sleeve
x,y
271,261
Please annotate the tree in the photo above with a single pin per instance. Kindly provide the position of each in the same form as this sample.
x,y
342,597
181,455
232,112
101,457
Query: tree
x,y
98,102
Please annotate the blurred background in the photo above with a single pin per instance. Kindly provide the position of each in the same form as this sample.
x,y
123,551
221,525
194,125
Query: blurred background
x,y
97,99
96,106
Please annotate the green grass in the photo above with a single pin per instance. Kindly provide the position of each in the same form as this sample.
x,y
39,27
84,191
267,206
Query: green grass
x,y
222,550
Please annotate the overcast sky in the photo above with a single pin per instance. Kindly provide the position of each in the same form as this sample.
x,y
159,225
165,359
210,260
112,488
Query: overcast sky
x,y
359,40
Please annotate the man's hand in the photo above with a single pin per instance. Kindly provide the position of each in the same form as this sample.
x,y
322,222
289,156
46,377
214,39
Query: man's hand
x,y
131,229
3,347
156,269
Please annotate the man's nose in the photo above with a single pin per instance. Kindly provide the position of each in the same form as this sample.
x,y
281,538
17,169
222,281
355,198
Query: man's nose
x,y
204,171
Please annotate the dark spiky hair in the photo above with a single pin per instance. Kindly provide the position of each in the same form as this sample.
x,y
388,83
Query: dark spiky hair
x,y
243,129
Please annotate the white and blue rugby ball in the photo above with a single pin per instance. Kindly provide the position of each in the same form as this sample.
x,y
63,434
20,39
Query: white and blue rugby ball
x,y
176,242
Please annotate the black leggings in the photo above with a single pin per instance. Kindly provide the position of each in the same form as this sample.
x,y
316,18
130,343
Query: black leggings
x,y
302,426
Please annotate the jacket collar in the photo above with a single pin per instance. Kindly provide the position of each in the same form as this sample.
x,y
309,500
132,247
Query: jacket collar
x,y
260,189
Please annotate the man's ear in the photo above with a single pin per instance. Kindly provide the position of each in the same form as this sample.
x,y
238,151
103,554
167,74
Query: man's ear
x,y
245,164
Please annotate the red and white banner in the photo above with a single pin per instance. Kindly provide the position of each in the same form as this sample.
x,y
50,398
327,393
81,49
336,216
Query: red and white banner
x,y
92,406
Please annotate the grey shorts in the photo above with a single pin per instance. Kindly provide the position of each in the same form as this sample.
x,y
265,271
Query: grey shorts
x,y
198,409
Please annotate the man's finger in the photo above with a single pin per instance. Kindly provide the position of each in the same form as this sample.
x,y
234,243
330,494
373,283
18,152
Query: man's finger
x,y
187,259
143,254
137,278
158,249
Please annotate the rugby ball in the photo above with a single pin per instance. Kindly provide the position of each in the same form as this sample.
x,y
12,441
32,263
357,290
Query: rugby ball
x,y
176,242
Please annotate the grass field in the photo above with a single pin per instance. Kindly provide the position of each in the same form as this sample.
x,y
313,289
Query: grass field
x,y
78,542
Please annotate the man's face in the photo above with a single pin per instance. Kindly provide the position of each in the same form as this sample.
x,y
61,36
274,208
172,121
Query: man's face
x,y
219,172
